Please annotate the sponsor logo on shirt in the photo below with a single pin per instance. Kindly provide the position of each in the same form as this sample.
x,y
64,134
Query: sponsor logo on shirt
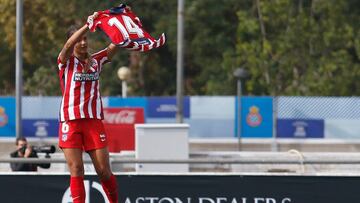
x,y
81,77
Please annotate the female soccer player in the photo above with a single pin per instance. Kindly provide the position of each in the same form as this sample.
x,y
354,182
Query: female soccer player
x,y
81,112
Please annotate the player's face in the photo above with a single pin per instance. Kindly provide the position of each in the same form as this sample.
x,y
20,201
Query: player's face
x,y
81,47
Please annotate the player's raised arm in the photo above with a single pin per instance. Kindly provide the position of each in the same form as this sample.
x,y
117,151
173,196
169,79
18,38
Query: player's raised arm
x,y
111,51
68,48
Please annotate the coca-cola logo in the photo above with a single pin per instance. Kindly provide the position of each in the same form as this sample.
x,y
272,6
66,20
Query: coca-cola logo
x,y
120,117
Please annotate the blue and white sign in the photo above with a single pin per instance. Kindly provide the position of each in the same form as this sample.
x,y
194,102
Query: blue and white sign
x,y
7,117
300,128
40,128
165,107
34,107
129,102
256,117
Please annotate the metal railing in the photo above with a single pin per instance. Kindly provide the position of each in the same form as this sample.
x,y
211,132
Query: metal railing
x,y
293,161
239,160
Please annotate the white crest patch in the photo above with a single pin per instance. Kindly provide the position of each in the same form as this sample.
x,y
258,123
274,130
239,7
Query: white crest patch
x,y
64,137
102,137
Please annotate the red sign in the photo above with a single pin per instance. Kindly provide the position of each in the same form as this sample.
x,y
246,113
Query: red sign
x,y
119,126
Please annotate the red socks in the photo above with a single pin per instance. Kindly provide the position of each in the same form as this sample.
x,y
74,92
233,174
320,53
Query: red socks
x,y
110,188
77,189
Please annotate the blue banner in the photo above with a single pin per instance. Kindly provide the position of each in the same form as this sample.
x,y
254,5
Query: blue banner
x,y
7,117
300,128
129,102
165,107
256,117
40,128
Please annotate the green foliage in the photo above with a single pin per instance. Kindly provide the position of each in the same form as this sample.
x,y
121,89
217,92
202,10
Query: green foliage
x,y
301,47
43,82
309,48
210,32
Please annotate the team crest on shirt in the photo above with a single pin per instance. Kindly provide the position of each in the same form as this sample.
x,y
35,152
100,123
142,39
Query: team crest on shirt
x,y
94,64
102,137
64,137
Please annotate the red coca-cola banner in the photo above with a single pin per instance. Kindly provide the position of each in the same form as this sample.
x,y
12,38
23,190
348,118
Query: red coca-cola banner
x,y
123,116
119,126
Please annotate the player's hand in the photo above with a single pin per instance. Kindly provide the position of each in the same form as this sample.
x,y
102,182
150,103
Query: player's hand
x,y
90,21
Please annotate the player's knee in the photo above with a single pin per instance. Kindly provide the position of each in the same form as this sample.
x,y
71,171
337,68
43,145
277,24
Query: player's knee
x,y
76,169
103,172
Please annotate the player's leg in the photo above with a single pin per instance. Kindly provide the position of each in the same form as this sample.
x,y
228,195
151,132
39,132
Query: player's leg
x,y
100,159
75,163
95,143
70,141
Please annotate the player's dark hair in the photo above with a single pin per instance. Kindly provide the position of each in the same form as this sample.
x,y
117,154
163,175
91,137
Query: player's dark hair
x,y
71,30
20,139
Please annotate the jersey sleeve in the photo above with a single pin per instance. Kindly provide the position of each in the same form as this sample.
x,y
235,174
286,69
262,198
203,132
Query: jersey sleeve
x,y
60,63
102,58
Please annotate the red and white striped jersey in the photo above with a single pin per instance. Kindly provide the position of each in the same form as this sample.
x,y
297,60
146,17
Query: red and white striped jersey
x,y
125,30
81,90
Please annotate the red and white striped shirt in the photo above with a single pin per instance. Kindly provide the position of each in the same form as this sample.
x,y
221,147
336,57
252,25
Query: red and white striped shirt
x,y
80,90
126,31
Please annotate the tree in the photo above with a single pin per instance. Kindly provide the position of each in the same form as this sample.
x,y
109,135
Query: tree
x,y
41,36
299,48
45,25
42,83
210,32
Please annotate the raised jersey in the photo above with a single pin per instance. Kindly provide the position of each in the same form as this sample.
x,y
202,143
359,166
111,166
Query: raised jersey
x,y
124,29
80,88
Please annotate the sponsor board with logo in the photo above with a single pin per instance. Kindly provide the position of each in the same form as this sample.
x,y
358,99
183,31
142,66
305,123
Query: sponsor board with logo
x,y
7,117
137,102
166,107
300,128
123,116
40,128
186,189
256,117
119,127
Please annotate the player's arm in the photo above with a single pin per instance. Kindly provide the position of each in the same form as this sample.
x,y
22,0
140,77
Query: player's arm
x,y
70,43
111,51
68,48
